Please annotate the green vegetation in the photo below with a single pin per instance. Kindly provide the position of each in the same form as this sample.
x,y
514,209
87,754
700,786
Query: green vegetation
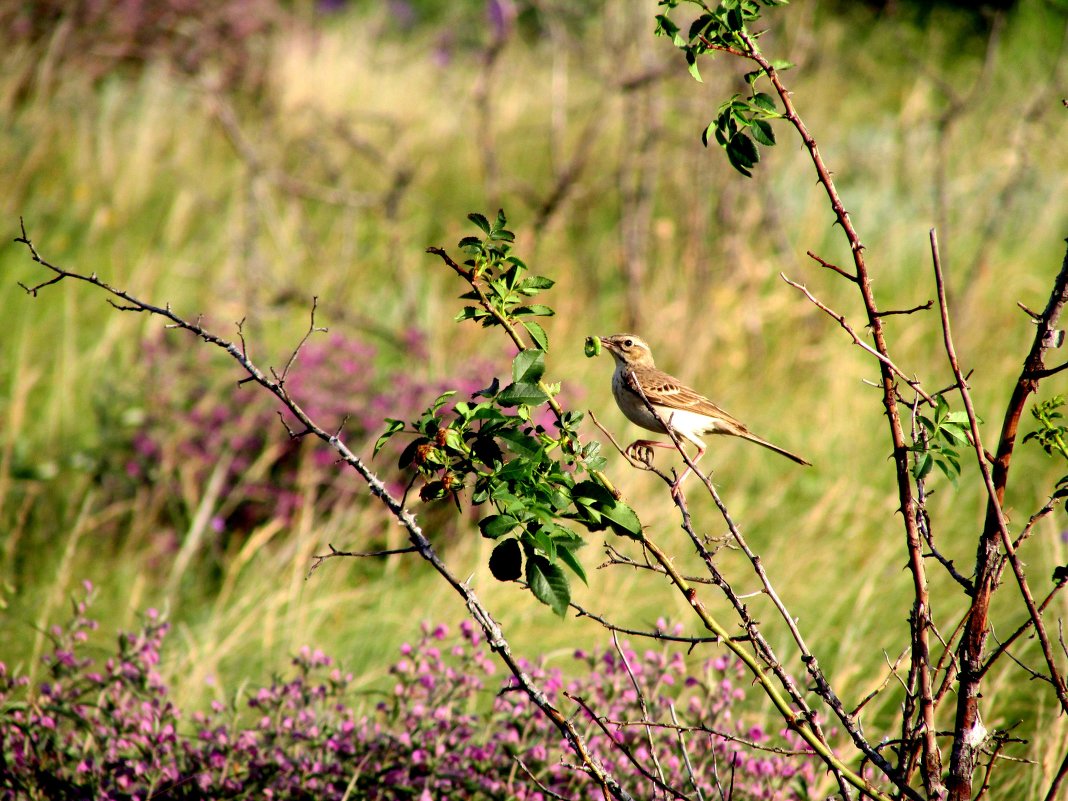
x,y
363,144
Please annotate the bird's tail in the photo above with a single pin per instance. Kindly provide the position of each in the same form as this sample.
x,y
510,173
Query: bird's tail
x,y
776,448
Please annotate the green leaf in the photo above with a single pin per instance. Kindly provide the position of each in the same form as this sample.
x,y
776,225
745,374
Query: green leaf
x,y
480,221
568,558
705,132
923,467
548,583
470,313
454,441
506,561
533,310
590,493
623,519
955,433
600,504
541,540
691,65
761,130
528,366
470,242
392,427
522,393
698,26
520,444
765,102
537,333
496,526
442,399
534,284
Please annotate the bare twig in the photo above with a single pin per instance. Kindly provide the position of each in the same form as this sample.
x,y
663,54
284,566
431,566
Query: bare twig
x,y
841,320
890,675
318,559
281,379
641,705
685,753
922,307
830,266
603,725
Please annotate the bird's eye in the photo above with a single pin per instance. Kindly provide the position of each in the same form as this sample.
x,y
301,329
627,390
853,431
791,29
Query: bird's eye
x,y
628,343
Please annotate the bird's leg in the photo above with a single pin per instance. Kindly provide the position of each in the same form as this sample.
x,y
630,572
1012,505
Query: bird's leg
x,y
641,450
676,488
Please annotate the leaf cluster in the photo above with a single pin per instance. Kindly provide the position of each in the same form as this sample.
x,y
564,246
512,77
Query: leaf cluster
x,y
1051,434
742,123
940,436
502,291
492,448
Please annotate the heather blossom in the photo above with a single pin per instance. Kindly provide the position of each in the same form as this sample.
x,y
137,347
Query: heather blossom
x,y
448,729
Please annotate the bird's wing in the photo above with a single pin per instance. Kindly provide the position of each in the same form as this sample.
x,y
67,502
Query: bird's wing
x,y
667,391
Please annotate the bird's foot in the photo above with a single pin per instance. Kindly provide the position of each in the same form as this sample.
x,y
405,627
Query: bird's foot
x,y
640,451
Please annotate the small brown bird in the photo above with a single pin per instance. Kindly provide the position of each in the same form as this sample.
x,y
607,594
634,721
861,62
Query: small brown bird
x,y
689,414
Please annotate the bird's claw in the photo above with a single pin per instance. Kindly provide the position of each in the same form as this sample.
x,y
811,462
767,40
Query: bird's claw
x,y
640,452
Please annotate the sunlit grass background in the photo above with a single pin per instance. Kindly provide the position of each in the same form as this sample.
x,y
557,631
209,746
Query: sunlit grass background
x,y
939,122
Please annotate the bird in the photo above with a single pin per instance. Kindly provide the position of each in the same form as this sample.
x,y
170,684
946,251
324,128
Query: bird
x,y
689,414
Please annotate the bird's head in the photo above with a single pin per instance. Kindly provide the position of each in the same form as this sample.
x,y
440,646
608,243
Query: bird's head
x,y
628,350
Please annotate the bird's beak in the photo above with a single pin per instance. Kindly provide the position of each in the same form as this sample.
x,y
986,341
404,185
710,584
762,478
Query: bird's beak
x,y
605,342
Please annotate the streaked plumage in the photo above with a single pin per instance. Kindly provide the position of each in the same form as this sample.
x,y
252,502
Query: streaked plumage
x,y
689,414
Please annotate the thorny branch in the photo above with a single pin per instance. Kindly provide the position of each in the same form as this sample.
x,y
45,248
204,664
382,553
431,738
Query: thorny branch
x,y
968,727
806,723
490,628
921,617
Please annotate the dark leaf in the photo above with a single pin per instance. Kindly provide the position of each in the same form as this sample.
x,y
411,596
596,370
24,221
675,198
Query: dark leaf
x,y
506,561
490,391
480,221
432,491
698,26
691,65
408,454
486,450
496,526
470,313
705,132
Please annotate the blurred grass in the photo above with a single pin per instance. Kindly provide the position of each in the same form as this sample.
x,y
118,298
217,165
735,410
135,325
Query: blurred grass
x,y
137,179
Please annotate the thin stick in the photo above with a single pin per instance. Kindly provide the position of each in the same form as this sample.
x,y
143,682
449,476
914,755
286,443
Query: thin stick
x,y
841,320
